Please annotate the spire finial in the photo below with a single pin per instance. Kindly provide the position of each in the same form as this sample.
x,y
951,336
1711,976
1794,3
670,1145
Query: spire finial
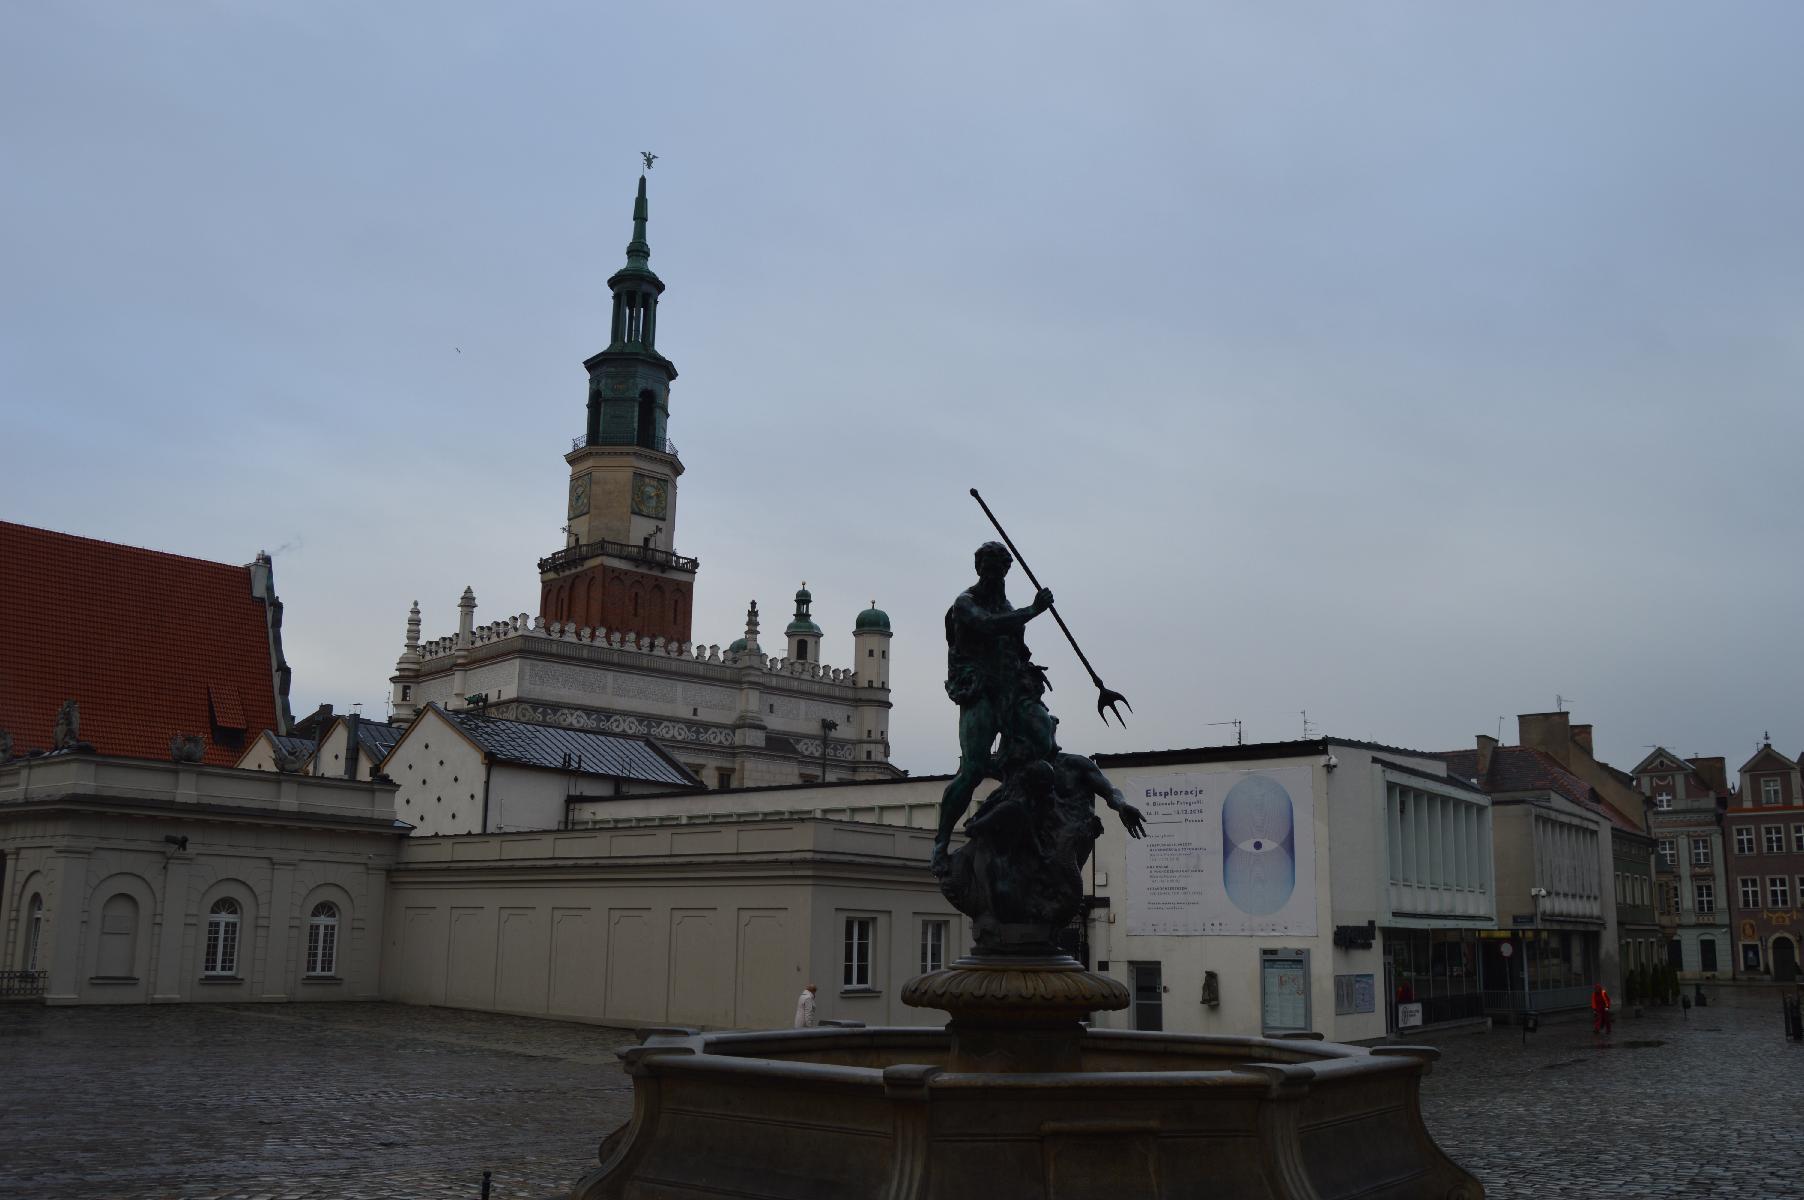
x,y
649,158
639,250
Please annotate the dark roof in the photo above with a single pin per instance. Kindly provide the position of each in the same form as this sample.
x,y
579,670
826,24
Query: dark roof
x,y
1293,749
147,644
293,745
617,756
376,740
1524,769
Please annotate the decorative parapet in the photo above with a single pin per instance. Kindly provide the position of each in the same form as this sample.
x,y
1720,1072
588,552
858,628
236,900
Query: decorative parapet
x,y
524,626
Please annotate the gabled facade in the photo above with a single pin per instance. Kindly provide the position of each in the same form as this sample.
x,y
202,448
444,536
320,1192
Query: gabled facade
x,y
1685,819
271,751
1763,828
465,773
353,748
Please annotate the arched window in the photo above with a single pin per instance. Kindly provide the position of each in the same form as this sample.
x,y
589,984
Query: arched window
x,y
34,931
222,938
322,940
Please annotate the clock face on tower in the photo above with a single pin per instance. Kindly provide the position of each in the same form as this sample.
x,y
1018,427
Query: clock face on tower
x,y
651,496
579,495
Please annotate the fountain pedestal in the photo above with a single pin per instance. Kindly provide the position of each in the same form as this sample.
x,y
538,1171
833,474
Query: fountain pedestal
x,y
1016,1013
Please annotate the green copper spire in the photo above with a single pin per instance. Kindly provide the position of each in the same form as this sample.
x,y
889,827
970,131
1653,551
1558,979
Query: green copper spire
x,y
639,250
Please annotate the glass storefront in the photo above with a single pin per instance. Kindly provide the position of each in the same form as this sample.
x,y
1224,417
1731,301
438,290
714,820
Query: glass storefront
x,y
1561,966
1436,968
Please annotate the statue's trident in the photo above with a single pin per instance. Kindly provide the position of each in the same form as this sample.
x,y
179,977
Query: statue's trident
x,y
1106,699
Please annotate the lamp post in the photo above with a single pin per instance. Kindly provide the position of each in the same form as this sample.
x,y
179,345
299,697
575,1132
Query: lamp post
x,y
1528,998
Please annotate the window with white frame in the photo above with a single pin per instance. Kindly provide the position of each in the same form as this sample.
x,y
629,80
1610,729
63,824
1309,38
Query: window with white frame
x,y
1700,851
1778,891
1769,791
1663,801
860,933
1750,891
1774,838
222,938
1706,897
322,939
1797,839
34,931
1668,854
933,945
1744,840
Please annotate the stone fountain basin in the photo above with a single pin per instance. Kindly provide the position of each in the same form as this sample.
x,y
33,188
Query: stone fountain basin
x,y
877,1113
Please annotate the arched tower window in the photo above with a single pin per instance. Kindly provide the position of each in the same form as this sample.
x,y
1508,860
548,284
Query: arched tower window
x,y
322,939
34,931
648,420
222,938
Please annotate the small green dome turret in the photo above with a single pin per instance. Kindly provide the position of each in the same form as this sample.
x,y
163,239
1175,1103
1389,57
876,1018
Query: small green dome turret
x,y
803,623
738,647
872,618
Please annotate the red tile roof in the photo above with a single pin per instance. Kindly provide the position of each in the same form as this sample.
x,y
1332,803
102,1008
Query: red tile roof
x,y
1524,769
147,644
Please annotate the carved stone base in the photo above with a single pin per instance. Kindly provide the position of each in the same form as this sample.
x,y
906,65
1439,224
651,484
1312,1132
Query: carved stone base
x,y
1013,1013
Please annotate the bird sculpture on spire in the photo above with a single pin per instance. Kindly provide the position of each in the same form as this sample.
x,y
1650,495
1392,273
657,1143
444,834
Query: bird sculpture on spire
x,y
649,158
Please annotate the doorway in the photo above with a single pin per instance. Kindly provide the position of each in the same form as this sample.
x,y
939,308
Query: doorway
x,y
1785,959
1149,996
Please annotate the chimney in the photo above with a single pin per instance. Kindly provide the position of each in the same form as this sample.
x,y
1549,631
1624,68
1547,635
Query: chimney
x,y
1547,732
1487,745
1581,737
352,720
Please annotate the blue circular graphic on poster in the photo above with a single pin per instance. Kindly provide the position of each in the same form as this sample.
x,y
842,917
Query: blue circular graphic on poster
x,y
1258,848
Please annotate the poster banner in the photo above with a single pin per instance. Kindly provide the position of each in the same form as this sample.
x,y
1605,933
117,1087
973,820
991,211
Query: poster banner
x,y
1225,852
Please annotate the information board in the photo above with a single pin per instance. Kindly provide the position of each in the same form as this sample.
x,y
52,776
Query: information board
x,y
1354,994
1225,852
1284,990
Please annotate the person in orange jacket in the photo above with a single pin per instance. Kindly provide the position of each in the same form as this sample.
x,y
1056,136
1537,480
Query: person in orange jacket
x,y
1600,1010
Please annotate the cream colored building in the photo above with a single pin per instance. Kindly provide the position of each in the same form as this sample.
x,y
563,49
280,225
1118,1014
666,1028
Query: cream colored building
x,y
130,881
684,921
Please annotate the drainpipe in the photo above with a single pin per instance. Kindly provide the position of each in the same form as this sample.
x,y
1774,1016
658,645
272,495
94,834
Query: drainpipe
x,y
488,773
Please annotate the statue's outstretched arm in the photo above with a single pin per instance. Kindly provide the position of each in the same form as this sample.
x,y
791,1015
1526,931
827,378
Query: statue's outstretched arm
x,y
971,614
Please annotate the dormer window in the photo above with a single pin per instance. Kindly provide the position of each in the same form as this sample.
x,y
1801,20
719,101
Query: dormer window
x,y
1769,791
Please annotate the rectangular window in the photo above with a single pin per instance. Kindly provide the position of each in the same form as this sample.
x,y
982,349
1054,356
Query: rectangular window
x,y
1706,897
1700,851
1663,801
723,779
1797,839
933,945
1744,840
1750,891
1774,837
1778,891
1707,954
1668,855
859,932
1769,791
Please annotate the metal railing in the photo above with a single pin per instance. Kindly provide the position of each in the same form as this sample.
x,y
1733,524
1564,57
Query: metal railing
x,y
650,555
19,985
658,445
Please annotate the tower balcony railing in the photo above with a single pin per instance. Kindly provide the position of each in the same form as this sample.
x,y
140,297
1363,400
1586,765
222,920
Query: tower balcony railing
x,y
659,445
653,556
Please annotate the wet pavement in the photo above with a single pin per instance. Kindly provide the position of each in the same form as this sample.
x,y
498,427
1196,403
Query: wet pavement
x,y
280,1102
376,1101
1675,1104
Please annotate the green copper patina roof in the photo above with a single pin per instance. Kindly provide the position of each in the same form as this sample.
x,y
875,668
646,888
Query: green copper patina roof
x,y
872,618
638,251
804,623
737,647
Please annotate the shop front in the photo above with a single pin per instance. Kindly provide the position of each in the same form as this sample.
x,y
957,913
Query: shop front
x,y
1538,970
1433,976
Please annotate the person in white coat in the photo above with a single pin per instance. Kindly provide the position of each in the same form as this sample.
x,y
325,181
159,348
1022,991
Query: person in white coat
x,y
805,1018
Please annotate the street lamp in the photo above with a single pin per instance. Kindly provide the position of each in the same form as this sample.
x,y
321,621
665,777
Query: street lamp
x,y
1537,895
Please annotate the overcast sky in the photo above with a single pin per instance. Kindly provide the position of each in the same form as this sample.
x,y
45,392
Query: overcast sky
x,y
1404,364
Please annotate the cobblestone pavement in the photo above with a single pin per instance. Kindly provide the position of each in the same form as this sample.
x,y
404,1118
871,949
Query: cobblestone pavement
x,y
373,1101
1705,1104
327,1101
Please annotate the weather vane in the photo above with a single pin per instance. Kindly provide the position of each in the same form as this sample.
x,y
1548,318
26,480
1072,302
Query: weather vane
x,y
649,158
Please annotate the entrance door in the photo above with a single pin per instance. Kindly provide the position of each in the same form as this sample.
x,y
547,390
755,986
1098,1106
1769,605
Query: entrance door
x,y
1149,996
1785,960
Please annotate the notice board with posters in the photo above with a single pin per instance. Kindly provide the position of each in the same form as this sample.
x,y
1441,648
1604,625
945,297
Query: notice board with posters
x,y
1225,852
1284,991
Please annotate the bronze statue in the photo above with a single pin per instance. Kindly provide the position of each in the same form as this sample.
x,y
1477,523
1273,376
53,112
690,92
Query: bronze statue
x,y
991,676
67,733
1019,877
